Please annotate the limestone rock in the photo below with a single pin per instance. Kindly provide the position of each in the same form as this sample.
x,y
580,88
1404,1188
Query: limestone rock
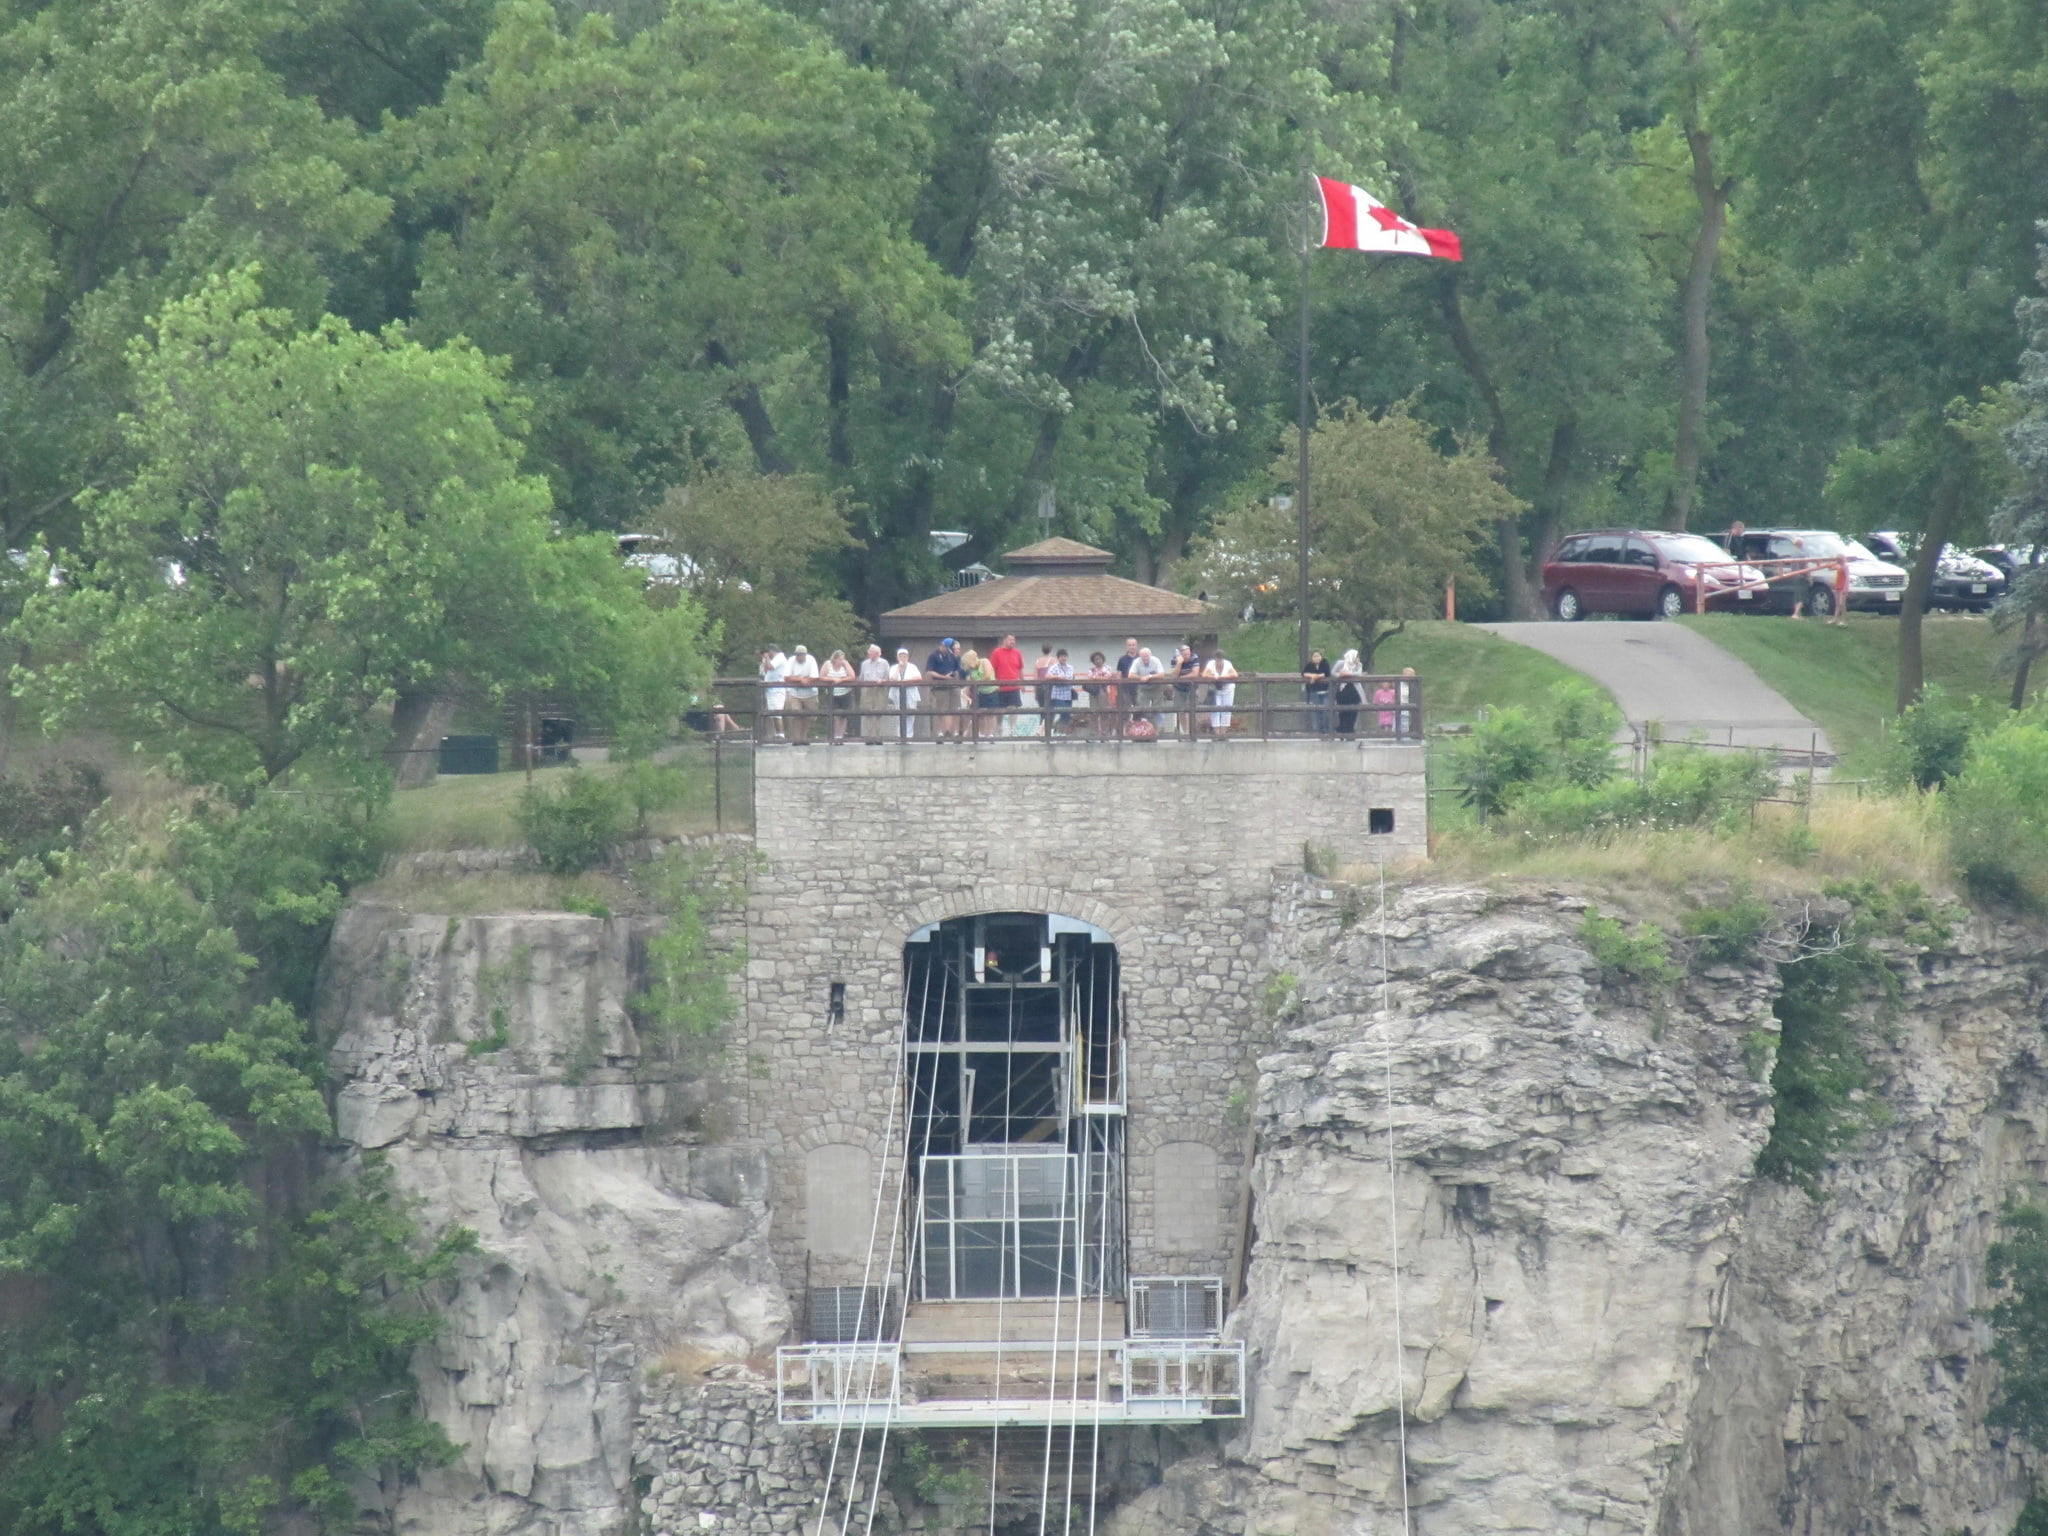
x,y
494,1063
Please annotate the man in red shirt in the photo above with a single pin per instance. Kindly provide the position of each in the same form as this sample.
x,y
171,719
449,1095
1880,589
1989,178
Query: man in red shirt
x,y
1008,663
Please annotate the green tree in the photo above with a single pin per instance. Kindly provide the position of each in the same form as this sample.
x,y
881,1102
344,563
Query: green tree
x,y
148,143
1903,207
199,1337
316,520
2023,517
756,552
1391,520
657,227
1548,341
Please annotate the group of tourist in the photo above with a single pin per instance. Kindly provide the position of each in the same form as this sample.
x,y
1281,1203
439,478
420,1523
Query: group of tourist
x,y
963,695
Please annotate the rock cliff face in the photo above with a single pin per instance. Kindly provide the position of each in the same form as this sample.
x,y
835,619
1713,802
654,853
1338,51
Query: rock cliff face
x,y
493,1063
1602,1321
1606,1323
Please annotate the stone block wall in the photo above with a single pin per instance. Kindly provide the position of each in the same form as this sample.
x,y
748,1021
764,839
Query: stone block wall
x,y
1171,847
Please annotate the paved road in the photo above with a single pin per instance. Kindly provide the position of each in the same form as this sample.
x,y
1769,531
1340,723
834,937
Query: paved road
x,y
1672,674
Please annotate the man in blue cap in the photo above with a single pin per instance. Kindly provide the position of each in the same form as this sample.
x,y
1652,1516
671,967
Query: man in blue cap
x,y
943,673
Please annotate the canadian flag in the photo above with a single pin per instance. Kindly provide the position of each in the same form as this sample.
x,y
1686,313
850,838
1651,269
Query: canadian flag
x,y
1355,220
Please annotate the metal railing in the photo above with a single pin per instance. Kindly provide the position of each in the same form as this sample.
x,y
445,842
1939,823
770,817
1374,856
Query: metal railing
x,y
1207,1375
1259,706
826,1383
1175,1307
1137,1378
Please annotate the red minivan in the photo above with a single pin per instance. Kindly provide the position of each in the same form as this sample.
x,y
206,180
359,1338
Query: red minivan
x,y
1644,572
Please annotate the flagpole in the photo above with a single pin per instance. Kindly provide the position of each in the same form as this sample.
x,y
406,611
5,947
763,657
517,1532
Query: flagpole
x,y
1301,469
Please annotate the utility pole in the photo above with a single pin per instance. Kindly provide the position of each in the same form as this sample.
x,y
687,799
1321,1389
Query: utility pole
x,y
1301,470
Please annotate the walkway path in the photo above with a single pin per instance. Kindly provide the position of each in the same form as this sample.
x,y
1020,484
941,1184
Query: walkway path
x,y
1672,674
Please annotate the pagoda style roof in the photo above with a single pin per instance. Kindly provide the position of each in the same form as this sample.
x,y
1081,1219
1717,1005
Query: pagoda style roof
x,y
1052,581
1057,557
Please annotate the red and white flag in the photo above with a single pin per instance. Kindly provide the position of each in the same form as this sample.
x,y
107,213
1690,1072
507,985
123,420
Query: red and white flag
x,y
1355,220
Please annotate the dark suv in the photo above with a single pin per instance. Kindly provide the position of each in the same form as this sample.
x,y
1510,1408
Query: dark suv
x,y
1644,572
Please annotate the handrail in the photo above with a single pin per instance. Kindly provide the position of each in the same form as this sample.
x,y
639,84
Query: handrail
x,y
1260,705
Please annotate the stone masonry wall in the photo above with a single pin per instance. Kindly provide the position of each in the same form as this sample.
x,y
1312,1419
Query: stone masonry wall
x,y
1171,847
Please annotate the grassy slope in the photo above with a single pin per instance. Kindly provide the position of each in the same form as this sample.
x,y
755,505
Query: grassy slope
x,y
1845,676
479,810
1463,670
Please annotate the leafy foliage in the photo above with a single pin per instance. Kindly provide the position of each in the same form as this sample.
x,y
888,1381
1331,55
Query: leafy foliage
x,y
1929,741
1641,954
1391,520
1996,811
756,554
206,1341
1728,931
575,823
43,812
1570,745
1833,988
345,516
688,997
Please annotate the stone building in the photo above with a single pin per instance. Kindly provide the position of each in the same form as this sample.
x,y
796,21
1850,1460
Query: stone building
x,y
1057,592
1003,1007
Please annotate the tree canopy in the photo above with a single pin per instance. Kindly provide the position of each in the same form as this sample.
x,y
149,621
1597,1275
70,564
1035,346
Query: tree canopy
x,y
315,519
1392,520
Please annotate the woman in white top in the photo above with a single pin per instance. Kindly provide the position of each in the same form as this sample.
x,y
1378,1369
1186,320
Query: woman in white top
x,y
838,671
902,699
774,697
1349,694
1223,694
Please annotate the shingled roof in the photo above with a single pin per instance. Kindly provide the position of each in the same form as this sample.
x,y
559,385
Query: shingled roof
x,y
1058,579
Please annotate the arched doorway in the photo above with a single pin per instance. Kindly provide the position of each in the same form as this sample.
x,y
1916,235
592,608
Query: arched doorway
x,y
1013,1031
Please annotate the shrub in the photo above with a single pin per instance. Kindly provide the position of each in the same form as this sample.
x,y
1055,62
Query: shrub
x,y
1730,932
1582,724
1560,810
1505,751
651,788
39,815
1514,752
1996,812
576,824
1928,744
1688,786
1642,955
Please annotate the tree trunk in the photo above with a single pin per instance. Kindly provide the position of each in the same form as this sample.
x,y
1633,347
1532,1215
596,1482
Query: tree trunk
x,y
1941,516
2023,658
1522,594
1694,354
419,719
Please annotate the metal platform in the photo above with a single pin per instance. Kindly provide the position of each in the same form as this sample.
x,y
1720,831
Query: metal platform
x,y
977,1364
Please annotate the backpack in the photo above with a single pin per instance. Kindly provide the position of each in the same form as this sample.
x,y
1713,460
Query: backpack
x,y
1141,729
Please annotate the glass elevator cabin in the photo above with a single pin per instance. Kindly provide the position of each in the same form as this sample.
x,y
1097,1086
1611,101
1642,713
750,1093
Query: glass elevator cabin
x,y
1015,1076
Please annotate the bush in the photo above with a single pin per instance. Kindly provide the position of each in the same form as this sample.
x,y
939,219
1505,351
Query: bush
x,y
39,815
651,788
1549,811
1928,744
1643,955
1683,789
576,824
1513,750
1996,813
1688,786
1505,752
1731,932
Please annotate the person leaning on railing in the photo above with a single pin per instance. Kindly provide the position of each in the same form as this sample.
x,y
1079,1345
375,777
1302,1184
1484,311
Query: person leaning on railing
x,y
874,672
987,696
945,697
838,673
1317,676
